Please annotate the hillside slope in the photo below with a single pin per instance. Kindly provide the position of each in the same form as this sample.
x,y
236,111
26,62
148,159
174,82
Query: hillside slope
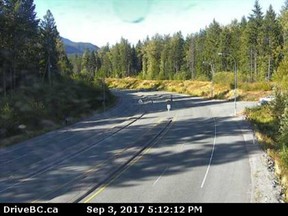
x,y
72,47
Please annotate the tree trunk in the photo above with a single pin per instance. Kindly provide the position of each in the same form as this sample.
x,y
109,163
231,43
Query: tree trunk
x,y
269,68
255,66
4,81
251,65
49,70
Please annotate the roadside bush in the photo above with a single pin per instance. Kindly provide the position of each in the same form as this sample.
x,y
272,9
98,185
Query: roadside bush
x,y
278,105
9,120
258,86
262,117
283,138
284,155
181,76
38,106
202,77
224,78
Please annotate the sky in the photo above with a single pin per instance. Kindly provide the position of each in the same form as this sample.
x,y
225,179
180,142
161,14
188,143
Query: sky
x,y
106,21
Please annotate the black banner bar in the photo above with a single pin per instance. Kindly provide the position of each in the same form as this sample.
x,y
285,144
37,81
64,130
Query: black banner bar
x,y
139,209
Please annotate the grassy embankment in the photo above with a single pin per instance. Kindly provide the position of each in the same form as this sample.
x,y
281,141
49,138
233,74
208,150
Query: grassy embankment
x,y
266,128
30,111
223,88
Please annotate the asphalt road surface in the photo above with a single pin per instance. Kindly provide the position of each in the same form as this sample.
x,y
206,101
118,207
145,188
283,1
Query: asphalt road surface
x,y
151,147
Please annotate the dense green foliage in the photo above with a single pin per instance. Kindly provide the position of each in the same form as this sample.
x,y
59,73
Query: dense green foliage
x,y
271,120
30,49
256,46
43,106
38,89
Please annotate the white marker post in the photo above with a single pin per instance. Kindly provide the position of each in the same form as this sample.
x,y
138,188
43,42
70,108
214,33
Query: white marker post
x,y
168,105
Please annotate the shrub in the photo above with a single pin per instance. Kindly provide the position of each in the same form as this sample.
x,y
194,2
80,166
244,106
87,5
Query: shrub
x,y
224,78
259,86
33,105
283,138
9,120
181,76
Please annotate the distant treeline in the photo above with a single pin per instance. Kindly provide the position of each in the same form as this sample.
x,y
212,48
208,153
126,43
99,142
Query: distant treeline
x,y
256,45
31,49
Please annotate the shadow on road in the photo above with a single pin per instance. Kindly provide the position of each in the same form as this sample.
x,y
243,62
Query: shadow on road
x,y
187,145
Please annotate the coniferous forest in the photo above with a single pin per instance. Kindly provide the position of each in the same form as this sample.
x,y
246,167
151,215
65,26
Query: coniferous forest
x,y
32,50
256,44
37,89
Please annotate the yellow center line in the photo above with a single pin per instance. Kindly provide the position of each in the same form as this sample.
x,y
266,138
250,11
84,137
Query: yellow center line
x,y
101,189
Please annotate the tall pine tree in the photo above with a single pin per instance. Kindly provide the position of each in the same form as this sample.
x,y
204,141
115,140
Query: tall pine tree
x,y
272,42
284,25
255,38
18,37
49,38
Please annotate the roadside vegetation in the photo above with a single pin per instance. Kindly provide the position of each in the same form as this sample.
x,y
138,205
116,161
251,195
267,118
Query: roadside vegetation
x,y
38,89
271,125
32,110
222,88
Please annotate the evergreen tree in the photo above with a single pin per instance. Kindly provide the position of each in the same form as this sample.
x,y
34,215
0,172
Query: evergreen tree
x,y
115,60
166,63
2,35
98,63
200,47
18,39
85,62
285,6
49,39
76,62
152,57
125,58
190,55
281,75
272,42
213,42
139,56
245,51
255,37
64,65
225,47
284,25
92,64
106,64
144,54
135,62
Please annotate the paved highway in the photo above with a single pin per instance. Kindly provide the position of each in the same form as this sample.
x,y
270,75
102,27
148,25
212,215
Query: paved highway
x,y
136,152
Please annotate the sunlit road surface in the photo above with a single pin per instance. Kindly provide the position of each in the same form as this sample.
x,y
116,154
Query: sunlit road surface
x,y
138,151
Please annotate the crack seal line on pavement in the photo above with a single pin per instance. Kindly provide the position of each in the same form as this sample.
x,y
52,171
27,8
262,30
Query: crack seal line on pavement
x,y
69,157
128,164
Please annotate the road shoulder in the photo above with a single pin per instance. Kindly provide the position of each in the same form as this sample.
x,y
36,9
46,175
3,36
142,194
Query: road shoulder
x,y
265,187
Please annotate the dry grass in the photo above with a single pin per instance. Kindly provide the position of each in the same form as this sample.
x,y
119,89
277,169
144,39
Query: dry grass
x,y
266,134
194,88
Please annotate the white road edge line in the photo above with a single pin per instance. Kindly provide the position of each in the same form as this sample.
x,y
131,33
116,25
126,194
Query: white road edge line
x,y
160,176
212,153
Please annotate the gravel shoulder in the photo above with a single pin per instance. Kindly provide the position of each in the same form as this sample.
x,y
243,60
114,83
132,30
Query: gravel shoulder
x,y
265,184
